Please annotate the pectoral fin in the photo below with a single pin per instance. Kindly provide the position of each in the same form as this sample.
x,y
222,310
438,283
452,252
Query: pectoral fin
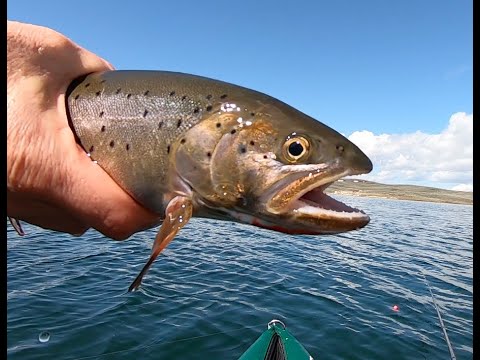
x,y
16,225
177,214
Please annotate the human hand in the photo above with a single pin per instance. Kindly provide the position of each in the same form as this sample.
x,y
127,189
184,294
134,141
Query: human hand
x,y
51,182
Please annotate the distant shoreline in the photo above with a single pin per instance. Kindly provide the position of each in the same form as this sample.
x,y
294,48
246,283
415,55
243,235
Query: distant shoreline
x,y
363,188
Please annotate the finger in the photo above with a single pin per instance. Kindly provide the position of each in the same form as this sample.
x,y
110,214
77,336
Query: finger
x,y
102,203
91,62
46,216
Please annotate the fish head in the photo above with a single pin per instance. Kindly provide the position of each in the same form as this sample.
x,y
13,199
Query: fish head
x,y
264,163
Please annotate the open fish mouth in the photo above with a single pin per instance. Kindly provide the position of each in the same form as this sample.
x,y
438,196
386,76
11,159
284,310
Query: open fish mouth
x,y
317,203
313,211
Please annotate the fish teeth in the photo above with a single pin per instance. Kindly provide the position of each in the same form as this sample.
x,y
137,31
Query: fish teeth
x,y
316,211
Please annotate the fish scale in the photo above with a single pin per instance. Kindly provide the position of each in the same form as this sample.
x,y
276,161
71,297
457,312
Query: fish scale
x,y
114,105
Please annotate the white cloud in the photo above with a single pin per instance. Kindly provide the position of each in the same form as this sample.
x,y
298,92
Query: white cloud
x,y
463,187
442,160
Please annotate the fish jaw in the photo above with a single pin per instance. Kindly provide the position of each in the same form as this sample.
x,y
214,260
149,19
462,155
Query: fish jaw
x,y
298,204
314,212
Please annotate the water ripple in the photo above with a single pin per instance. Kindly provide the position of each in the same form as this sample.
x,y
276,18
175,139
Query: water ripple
x,y
212,291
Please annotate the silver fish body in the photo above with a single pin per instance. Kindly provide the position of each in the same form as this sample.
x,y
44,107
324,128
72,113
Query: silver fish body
x,y
184,145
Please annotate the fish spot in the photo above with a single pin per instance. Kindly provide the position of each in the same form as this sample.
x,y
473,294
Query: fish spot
x,y
98,93
172,93
146,93
184,97
209,154
91,149
118,91
209,97
218,125
168,149
103,128
182,141
196,110
87,85
77,96
160,124
265,156
252,142
128,96
243,150
101,113
179,123
252,114
233,131
209,108
112,143
127,147
145,113
223,96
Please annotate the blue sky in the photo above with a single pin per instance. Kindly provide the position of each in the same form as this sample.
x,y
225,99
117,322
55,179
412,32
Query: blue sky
x,y
387,67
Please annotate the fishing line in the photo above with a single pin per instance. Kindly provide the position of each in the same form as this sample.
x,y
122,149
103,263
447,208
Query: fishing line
x,y
452,354
167,342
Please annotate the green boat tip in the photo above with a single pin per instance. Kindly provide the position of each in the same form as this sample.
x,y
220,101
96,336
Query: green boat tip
x,y
276,343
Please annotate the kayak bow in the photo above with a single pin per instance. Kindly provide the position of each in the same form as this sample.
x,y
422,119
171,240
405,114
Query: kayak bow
x,y
276,343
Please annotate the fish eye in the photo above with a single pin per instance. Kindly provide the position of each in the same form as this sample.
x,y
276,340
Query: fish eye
x,y
296,148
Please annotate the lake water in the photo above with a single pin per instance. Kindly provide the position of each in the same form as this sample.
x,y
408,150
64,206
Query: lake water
x,y
214,289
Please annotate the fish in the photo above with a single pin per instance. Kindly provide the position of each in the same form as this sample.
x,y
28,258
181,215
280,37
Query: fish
x,y
185,146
